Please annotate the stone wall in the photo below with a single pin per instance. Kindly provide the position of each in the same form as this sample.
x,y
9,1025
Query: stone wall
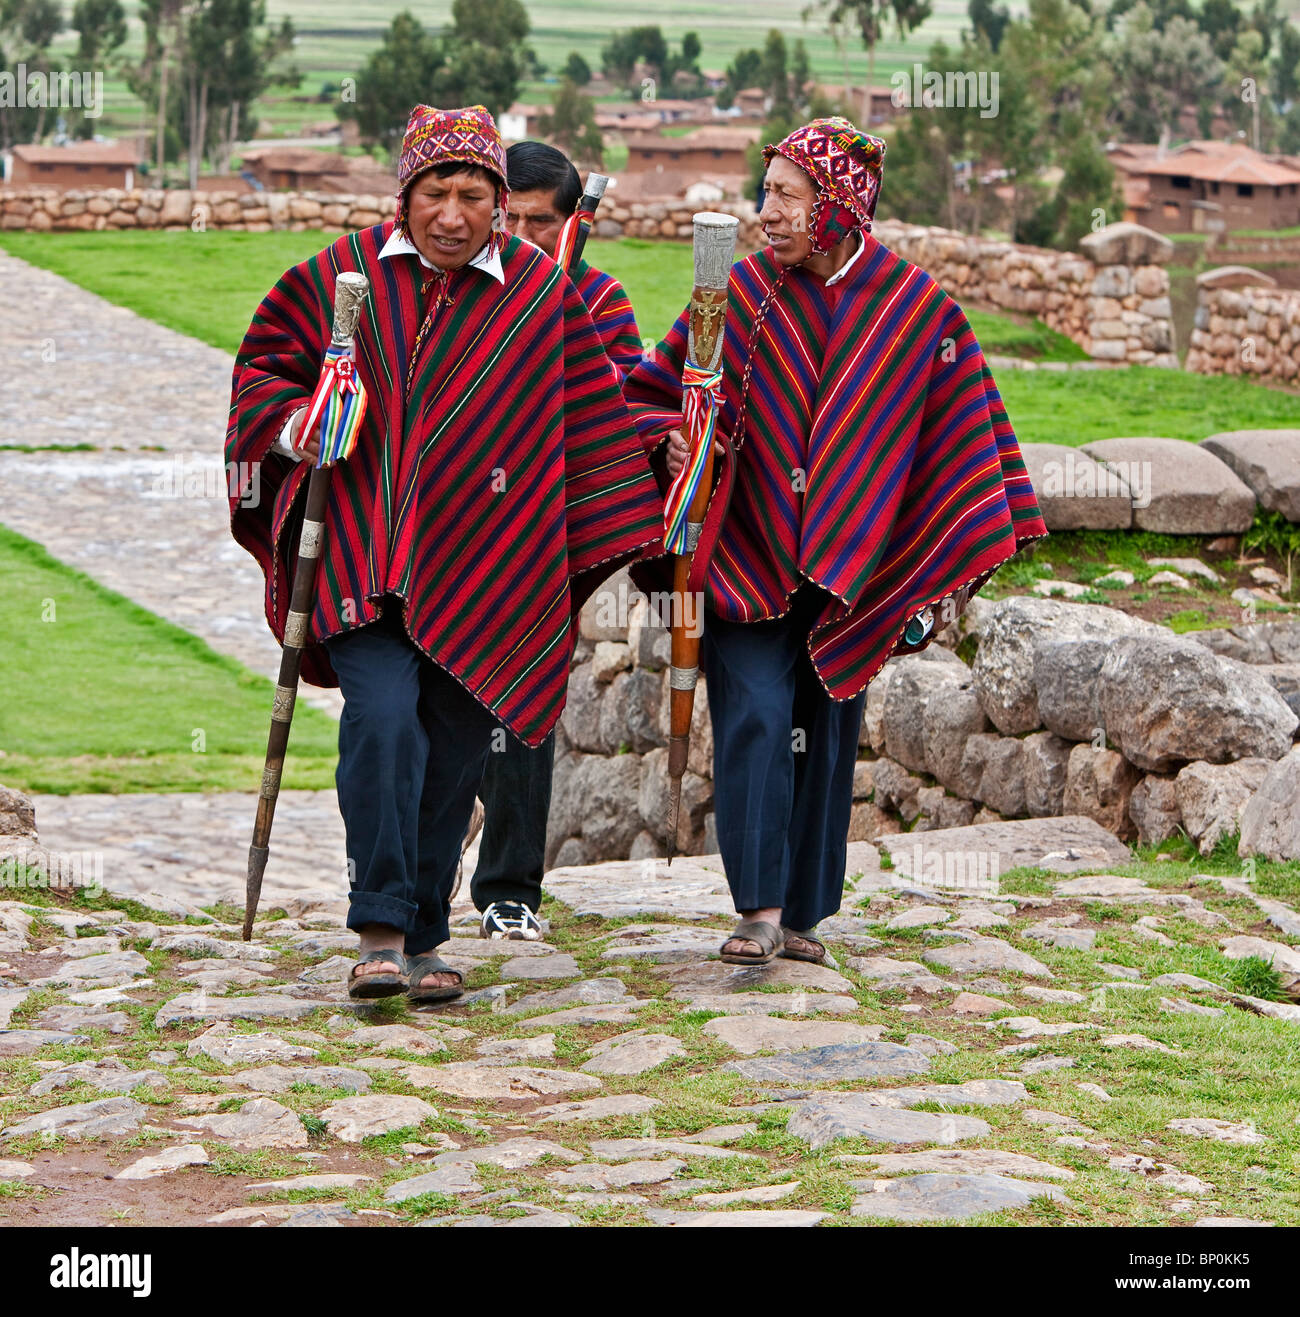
x,y
1113,300
1066,709
47,209
1245,325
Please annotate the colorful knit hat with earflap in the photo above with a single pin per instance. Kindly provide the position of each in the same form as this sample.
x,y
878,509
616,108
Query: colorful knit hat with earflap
x,y
436,137
845,164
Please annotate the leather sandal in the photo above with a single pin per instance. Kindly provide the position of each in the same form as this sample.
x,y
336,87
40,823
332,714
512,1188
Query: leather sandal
x,y
817,957
420,967
366,987
768,936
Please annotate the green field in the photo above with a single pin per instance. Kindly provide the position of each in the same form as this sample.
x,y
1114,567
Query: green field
x,y
141,704
225,275
334,41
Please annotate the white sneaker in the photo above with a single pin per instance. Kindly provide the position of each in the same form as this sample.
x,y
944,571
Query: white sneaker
x,y
512,920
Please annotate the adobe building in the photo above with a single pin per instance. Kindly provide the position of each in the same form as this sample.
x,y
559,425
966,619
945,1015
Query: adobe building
x,y
77,165
660,167
1207,187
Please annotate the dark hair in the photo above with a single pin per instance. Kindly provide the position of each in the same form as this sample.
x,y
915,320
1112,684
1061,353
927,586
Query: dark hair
x,y
536,167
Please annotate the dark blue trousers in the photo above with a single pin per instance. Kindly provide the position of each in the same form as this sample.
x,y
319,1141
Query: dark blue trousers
x,y
412,745
516,796
783,757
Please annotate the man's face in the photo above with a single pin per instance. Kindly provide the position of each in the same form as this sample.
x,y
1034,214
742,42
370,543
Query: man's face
x,y
787,209
536,218
451,218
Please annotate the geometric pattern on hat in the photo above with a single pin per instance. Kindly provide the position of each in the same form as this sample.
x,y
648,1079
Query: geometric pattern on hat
x,y
436,137
845,164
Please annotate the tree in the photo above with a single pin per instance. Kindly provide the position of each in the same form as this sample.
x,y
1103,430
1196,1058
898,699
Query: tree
x,y
571,124
100,27
27,27
1245,104
988,20
1286,65
868,17
800,73
1087,189
498,24
577,70
743,71
479,60
1221,21
164,37
636,45
686,62
396,77
775,75
1160,72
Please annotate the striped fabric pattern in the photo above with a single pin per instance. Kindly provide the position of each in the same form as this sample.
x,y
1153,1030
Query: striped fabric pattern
x,y
876,461
607,301
513,468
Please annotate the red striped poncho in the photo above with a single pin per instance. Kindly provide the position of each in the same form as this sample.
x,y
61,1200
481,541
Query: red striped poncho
x,y
607,301
876,461
513,469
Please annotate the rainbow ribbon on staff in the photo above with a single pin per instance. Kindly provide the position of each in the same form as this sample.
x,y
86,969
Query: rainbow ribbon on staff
x,y
565,243
701,398
337,408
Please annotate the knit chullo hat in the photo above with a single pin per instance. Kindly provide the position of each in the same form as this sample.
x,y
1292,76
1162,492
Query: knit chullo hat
x,y
437,137
845,165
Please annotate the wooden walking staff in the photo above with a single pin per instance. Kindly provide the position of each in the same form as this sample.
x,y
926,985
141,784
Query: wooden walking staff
x,y
573,236
334,415
688,496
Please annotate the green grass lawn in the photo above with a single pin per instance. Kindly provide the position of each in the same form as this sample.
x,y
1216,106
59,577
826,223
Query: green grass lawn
x,y
100,695
1074,407
224,275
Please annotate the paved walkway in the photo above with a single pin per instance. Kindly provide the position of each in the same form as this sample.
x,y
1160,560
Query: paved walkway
x,y
960,1058
152,525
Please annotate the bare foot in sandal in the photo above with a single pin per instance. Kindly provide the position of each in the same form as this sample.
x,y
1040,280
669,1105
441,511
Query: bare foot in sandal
x,y
745,948
379,937
803,946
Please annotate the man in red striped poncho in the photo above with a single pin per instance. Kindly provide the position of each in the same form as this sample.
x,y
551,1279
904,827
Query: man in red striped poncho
x,y
497,478
516,790
868,483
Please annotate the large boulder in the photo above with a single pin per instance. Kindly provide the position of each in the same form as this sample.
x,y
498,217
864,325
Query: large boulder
x,y
581,717
917,682
1125,243
1285,679
629,712
1065,676
993,772
1167,701
947,725
1268,461
1010,634
1099,784
1270,823
1074,491
596,797
1180,488
1212,797
1046,757
1153,807
1062,844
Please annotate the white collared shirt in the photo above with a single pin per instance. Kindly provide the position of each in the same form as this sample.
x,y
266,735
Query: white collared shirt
x,y
487,260
399,244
